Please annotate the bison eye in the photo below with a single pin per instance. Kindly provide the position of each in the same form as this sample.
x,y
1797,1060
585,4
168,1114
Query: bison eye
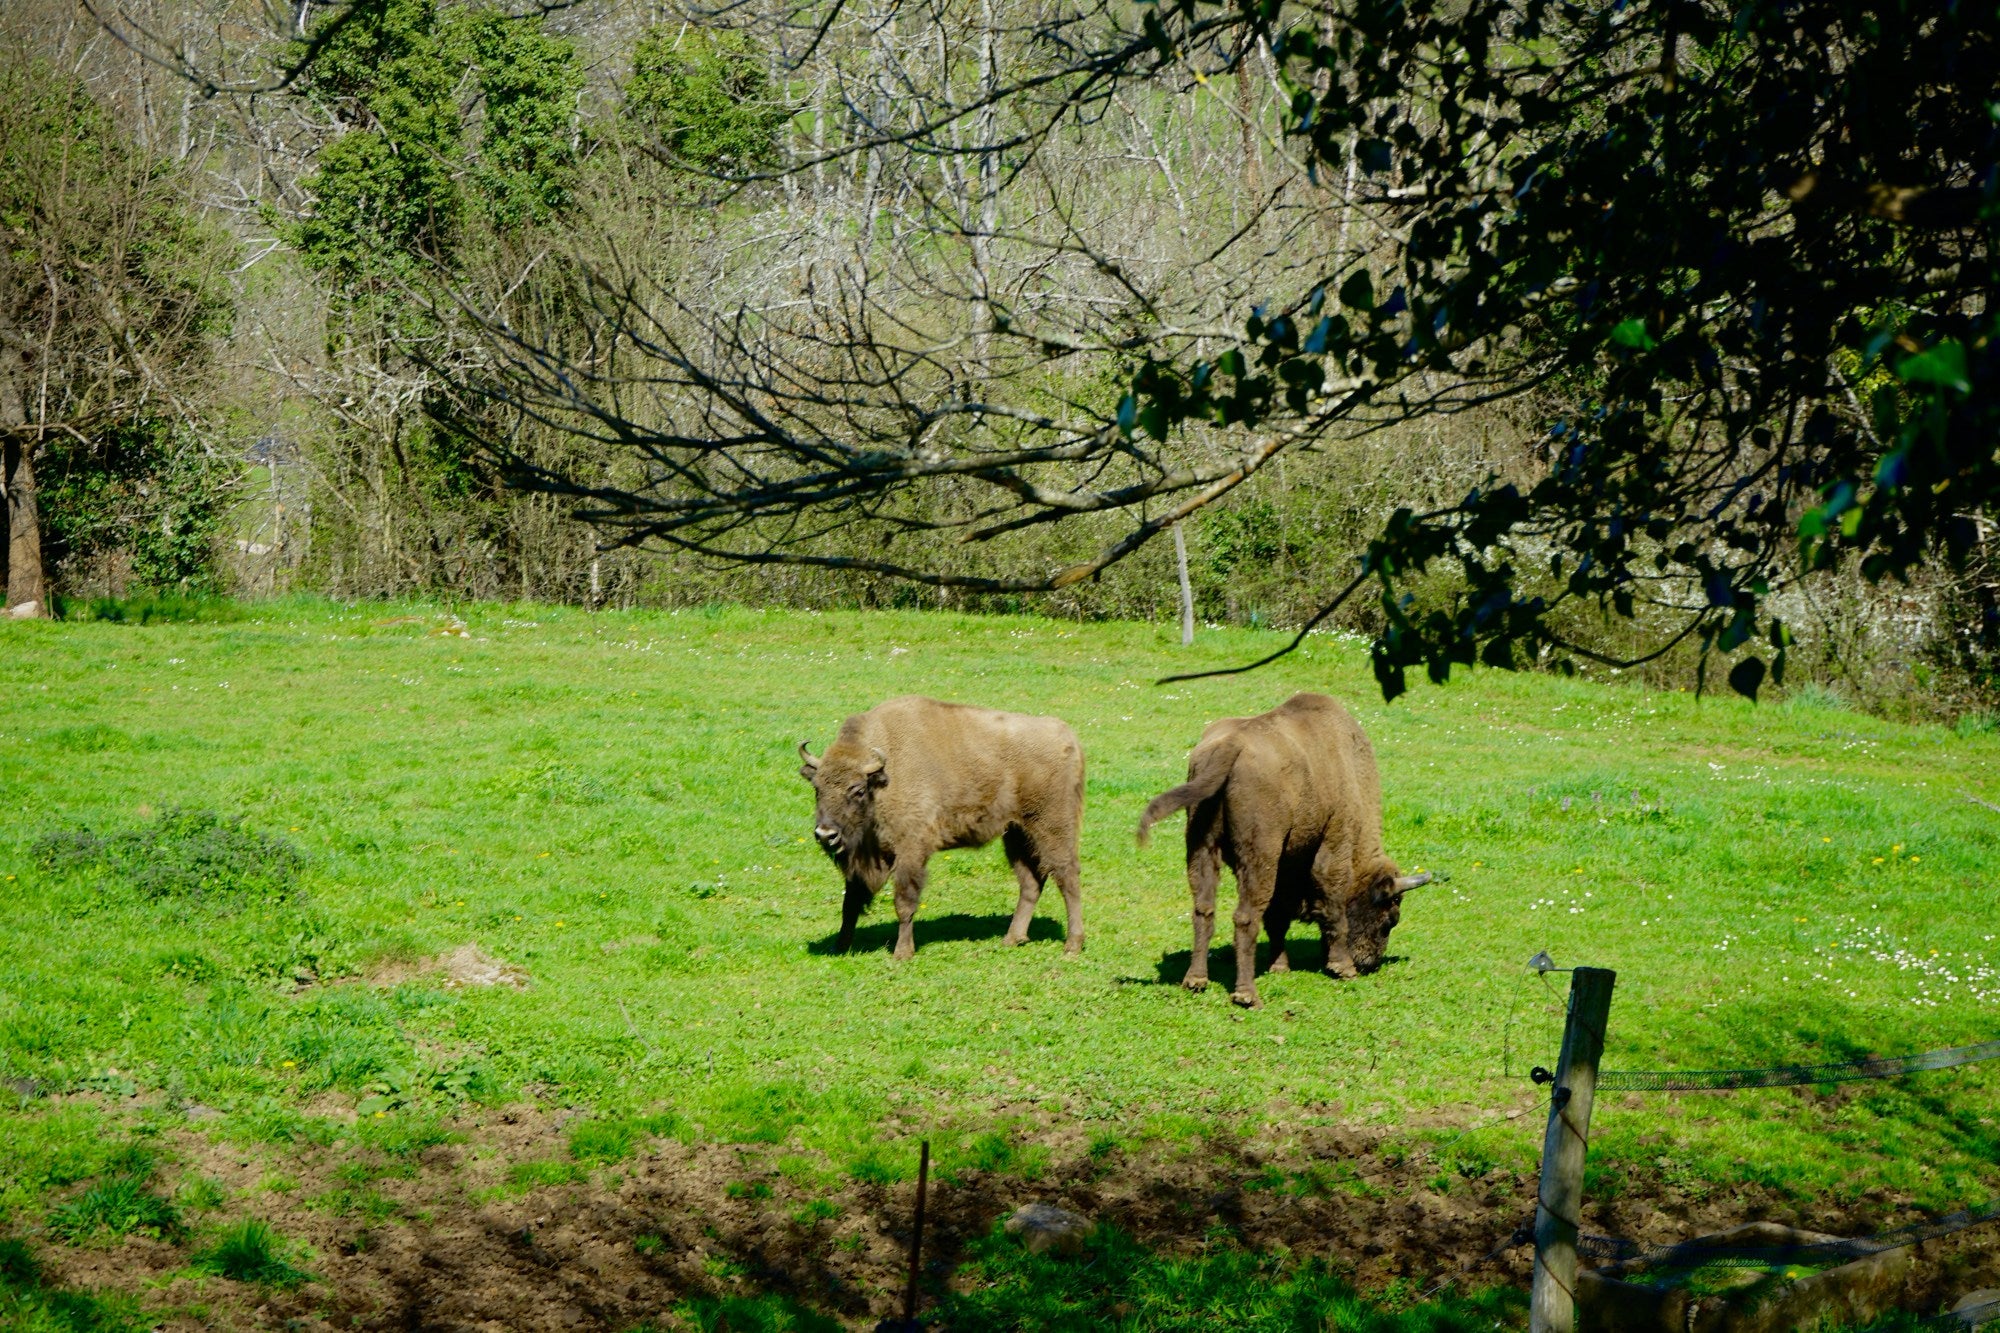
x,y
857,790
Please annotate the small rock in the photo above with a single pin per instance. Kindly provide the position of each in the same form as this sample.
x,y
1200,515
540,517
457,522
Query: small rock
x,y
27,1089
1042,1227
196,1111
1973,1300
25,611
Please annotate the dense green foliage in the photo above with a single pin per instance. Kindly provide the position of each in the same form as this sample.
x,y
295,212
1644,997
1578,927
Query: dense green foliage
x,y
705,98
1709,233
111,296
394,194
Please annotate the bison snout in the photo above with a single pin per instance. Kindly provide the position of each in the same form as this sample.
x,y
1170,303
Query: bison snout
x,y
829,838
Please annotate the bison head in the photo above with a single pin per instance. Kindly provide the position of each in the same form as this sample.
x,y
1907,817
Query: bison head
x,y
845,781
1374,912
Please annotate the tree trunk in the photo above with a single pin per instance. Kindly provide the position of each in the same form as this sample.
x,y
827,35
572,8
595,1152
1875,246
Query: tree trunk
x,y
20,524
27,593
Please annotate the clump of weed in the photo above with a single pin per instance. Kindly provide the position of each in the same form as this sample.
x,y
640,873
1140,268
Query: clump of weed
x,y
534,1175
201,1194
874,1167
18,1265
614,1139
763,1313
188,855
115,1207
402,1136
747,1189
819,1210
252,1251
648,1245
553,784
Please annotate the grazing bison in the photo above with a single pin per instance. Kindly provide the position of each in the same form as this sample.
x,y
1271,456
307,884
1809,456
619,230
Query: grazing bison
x,y
914,776
1291,801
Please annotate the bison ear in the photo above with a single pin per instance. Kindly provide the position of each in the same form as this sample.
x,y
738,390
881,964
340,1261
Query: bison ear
x,y
808,766
877,768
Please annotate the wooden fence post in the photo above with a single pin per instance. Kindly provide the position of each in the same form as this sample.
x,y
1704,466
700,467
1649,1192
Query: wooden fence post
x,y
1558,1205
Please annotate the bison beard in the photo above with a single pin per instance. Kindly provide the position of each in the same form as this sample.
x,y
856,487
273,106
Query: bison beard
x,y
914,776
1291,802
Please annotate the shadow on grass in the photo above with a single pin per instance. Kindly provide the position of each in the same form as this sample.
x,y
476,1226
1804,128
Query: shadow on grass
x,y
1116,1283
29,1304
1304,955
952,928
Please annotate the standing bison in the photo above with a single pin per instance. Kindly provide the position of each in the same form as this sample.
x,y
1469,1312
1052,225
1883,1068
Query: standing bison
x,y
915,776
1291,801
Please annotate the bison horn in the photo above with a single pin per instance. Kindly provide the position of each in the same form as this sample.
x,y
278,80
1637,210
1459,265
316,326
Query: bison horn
x,y
879,762
806,758
1404,883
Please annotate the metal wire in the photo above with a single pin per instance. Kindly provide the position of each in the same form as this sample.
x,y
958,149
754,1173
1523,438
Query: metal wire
x,y
1697,1080
1860,1247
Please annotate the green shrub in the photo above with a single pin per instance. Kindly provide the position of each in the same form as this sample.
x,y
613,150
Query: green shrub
x,y
166,608
184,854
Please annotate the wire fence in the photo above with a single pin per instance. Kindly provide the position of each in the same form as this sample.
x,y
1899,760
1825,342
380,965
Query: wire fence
x,y
1780,1076
1839,1251
1619,1249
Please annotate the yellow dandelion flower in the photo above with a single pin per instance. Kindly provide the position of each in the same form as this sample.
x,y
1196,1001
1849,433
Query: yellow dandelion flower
x,y
1897,848
561,923
1879,860
1826,839
1915,859
291,1064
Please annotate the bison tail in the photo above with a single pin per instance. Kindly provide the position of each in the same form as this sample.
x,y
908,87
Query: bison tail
x,y
1206,774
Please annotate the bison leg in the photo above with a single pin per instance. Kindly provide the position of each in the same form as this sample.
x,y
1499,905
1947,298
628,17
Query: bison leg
x,y
1276,923
851,907
1071,884
1027,870
1256,878
909,892
1333,879
1204,871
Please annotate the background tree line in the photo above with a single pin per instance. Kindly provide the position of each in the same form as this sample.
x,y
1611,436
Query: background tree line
x,y
385,324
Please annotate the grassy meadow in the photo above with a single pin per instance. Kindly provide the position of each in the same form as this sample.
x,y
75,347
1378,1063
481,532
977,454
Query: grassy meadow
x,y
610,804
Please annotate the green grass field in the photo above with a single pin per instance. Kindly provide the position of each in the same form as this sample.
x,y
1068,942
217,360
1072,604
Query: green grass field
x,y
611,803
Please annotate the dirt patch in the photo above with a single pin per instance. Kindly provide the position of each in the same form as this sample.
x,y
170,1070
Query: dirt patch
x,y
452,1238
466,966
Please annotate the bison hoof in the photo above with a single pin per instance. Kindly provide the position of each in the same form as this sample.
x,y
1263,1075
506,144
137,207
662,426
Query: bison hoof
x,y
1196,984
1072,948
1342,971
1279,963
1013,941
1246,999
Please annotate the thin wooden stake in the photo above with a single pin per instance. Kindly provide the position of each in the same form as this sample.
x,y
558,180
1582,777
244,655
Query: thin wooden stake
x,y
1187,590
1558,1206
917,1237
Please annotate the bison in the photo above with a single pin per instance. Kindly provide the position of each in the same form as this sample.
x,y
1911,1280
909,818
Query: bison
x,y
915,776
1291,801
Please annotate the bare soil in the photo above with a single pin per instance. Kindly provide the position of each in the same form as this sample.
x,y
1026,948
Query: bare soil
x,y
461,1253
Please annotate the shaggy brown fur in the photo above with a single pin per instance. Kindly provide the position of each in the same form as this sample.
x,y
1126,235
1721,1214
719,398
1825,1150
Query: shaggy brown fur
x,y
914,776
1291,802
